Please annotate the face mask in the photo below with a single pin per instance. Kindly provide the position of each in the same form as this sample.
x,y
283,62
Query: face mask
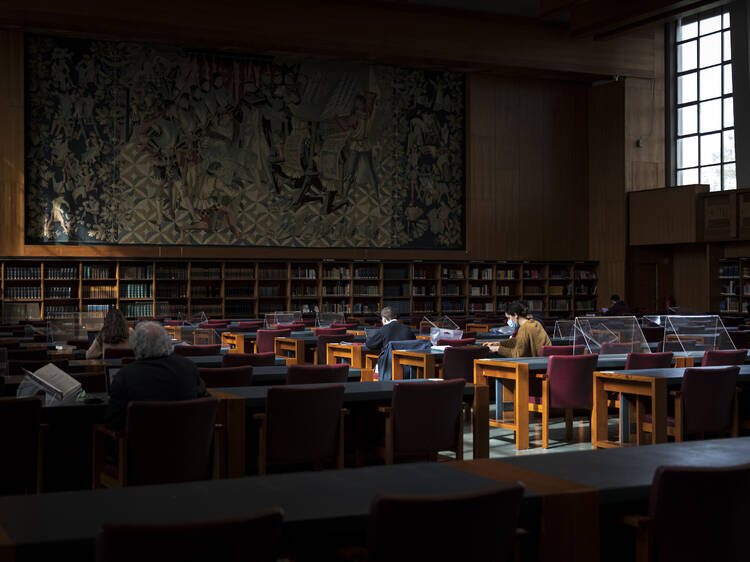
x,y
512,324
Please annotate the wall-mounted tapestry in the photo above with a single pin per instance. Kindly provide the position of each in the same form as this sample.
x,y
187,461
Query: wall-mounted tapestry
x,y
144,144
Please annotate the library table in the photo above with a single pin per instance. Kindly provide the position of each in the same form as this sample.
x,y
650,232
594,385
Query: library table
x,y
650,383
358,356
297,347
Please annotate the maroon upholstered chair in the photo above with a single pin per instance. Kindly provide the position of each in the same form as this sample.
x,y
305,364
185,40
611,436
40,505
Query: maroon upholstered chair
x,y
16,367
317,374
296,326
254,359
254,538
724,358
162,442
424,418
302,425
173,322
329,331
214,324
457,343
20,441
198,350
458,362
653,334
612,348
264,339
548,350
118,352
345,325
733,321
567,384
705,403
249,326
321,350
695,514
400,524
219,377
649,360
740,339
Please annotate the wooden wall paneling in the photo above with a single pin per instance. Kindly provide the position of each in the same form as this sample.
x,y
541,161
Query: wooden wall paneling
x,y
692,277
743,214
415,34
664,216
717,216
607,209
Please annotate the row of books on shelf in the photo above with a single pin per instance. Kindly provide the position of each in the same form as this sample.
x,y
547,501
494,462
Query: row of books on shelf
x,y
205,273
23,273
59,292
135,291
23,292
136,271
53,272
99,292
96,272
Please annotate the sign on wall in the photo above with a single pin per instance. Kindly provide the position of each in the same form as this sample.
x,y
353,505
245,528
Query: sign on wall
x,y
144,144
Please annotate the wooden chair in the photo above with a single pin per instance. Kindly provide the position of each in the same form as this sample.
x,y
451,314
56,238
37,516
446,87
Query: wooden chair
x,y
567,384
249,326
265,339
705,403
549,350
661,360
724,358
253,359
253,538
695,514
317,374
220,377
302,425
321,349
402,527
162,442
423,419
22,441
458,362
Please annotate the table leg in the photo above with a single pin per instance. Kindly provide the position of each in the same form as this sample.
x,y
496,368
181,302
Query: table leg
x,y
481,421
659,411
599,412
522,406
397,372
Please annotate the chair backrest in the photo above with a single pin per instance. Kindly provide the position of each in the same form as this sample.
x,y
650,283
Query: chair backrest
x,y
457,343
329,331
425,416
16,367
19,441
399,525
303,422
653,333
649,360
170,441
345,325
571,380
458,362
700,513
249,326
724,358
323,342
219,377
254,359
317,374
254,538
707,398
612,348
740,338
549,350
198,350
384,359
118,352
264,339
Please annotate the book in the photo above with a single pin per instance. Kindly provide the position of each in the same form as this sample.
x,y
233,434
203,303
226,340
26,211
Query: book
x,y
55,381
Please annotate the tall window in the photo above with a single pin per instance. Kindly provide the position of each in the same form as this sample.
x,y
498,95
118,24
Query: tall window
x,y
703,115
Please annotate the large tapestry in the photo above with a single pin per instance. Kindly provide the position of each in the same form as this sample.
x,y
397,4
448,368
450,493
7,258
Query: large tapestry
x,y
144,144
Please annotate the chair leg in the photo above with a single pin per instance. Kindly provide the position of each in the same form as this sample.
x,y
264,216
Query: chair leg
x,y
679,424
545,413
569,424
262,453
460,437
340,452
640,436
735,432
388,439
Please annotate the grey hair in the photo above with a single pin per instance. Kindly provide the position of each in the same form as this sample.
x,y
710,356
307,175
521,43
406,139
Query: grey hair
x,y
150,339
388,313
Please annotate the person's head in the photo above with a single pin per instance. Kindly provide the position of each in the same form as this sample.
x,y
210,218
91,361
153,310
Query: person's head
x,y
615,298
516,313
115,328
150,340
387,314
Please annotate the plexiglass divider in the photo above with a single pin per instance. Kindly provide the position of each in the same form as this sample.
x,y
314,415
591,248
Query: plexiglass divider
x,y
692,333
608,335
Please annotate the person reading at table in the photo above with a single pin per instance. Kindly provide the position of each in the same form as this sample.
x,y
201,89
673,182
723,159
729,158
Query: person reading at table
x,y
115,333
392,330
157,374
528,341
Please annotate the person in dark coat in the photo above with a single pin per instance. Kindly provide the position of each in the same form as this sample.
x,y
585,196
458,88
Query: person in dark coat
x,y
618,307
157,374
392,330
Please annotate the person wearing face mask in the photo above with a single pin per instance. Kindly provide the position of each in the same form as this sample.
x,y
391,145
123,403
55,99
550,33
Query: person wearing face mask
x,y
529,338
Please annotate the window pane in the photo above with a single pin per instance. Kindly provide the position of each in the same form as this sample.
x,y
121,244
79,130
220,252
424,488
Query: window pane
x,y
729,112
687,88
687,31
687,177
710,83
711,24
710,149
727,79
710,50
730,176
727,46
726,20
687,120
710,116
687,56
712,176
729,146
687,152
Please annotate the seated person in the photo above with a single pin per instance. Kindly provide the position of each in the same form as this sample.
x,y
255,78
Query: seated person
x,y
156,374
392,330
115,333
618,308
528,341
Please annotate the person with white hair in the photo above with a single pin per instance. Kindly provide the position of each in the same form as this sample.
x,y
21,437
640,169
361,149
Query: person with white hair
x,y
157,374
